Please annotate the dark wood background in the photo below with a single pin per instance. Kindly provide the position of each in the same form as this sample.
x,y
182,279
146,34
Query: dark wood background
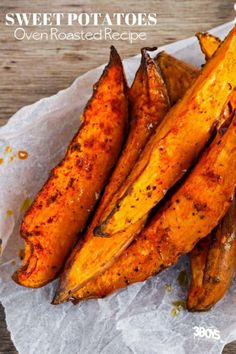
x,y
30,70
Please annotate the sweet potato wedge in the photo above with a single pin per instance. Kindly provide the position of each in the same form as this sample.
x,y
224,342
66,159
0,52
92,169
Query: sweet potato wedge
x,y
177,74
62,207
198,259
189,215
149,104
184,76
208,43
109,250
213,264
177,141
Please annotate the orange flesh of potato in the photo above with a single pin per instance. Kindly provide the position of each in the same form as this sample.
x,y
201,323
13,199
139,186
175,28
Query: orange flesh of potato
x,y
189,215
61,209
149,104
178,75
215,263
101,286
208,43
177,141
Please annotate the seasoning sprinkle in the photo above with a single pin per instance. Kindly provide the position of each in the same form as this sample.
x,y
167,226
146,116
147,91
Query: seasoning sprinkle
x,y
22,154
12,157
168,288
183,279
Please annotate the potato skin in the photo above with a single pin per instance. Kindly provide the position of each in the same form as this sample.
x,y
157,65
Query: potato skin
x,y
208,43
208,255
217,265
61,209
178,75
149,104
189,215
178,140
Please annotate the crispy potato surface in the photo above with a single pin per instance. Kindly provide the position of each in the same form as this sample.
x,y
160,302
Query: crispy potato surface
x,y
191,213
178,140
149,104
61,209
213,262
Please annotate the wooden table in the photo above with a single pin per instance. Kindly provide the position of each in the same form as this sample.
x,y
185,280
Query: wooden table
x,y
31,70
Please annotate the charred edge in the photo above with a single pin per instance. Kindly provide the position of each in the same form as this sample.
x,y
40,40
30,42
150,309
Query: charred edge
x,y
197,308
200,35
76,301
146,60
220,44
113,60
15,277
159,69
226,124
98,232
129,189
56,300
60,295
136,76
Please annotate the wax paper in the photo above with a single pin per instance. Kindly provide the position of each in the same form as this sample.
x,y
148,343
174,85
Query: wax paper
x,y
144,317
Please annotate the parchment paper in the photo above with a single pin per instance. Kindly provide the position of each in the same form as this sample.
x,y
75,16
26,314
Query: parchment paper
x,y
139,319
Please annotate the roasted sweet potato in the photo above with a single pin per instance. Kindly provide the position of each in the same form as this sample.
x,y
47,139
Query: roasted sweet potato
x,y
213,264
181,136
184,76
189,215
177,74
62,207
198,259
208,43
149,104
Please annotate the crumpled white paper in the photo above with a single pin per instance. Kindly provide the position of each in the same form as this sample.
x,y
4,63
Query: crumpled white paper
x,y
139,319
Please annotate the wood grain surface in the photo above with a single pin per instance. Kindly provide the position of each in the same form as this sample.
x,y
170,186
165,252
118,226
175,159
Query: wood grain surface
x,y
30,70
